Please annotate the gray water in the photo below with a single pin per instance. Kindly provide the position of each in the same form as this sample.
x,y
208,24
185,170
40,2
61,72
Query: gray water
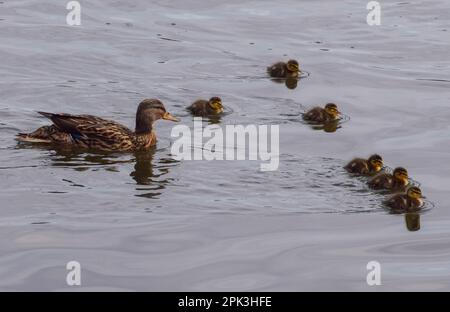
x,y
149,222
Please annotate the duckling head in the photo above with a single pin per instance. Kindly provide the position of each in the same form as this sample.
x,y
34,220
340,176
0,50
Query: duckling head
x,y
150,110
414,193
292,66
332,110
216,104
401,174
376,162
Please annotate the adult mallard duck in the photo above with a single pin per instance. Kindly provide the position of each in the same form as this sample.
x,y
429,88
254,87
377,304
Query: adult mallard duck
x,y
205,108
362,166
397,181
410,201
290,69
86,131
322,115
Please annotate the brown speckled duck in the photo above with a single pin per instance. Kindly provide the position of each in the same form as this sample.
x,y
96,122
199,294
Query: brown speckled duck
x,y
290,69
397,181
410,201
205,108
86,131
362,166
321,115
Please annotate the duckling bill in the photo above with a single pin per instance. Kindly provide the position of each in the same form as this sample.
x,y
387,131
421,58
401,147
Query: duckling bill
x,y
204,108
410,201
290,69
86,131
397,181
362,166
322,115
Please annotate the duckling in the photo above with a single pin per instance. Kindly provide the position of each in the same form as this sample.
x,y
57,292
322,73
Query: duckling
x,y
410,201
322,115
397,181
205,108
362,166
86,131
290,69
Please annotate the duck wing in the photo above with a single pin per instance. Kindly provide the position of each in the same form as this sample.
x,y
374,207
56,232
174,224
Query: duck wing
x,y
89,128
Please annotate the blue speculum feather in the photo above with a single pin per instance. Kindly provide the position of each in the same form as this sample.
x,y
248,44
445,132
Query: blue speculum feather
x,y
76,136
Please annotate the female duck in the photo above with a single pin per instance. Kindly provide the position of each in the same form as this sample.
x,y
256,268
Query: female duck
x,y
290,69
86,131
362,166
322,115
397,181
410,201
205,108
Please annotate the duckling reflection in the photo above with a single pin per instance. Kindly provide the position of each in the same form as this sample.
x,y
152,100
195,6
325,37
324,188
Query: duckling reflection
x,y
214,119
291,83
412,220
330,126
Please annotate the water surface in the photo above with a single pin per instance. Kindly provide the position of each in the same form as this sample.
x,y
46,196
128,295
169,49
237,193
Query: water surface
x,y
149,222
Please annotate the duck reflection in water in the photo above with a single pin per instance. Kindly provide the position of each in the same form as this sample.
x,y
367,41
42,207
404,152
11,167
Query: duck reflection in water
x,y
330,126
145,171
412,220
143,168
148,173
290,83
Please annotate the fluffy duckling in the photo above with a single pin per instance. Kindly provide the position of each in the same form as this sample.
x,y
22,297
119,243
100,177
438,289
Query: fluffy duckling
x,y
86,131
322,115
411,200
397,181
362,166
205,108
290,69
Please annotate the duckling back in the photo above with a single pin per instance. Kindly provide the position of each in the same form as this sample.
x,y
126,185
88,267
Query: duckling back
x,y
358,166
200,108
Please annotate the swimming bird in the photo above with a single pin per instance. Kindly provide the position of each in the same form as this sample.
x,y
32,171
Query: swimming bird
x,y
397,181
86,131
290,69
362,166
409,201
205,108
321,115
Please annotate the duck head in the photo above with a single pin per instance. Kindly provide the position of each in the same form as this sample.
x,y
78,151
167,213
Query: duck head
x,y
215,103
376,162
401,175
150,110
414,193
292,66
332,110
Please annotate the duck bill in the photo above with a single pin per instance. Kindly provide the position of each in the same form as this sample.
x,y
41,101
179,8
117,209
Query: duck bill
x,y
168,116
378,167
